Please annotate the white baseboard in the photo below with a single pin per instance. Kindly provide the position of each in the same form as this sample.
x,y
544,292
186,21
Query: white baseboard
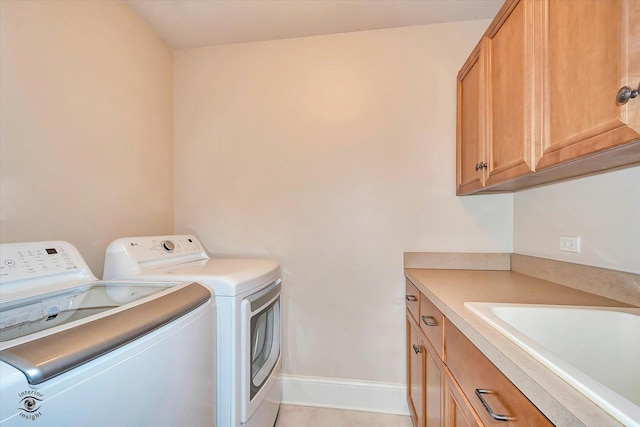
x,y
365,396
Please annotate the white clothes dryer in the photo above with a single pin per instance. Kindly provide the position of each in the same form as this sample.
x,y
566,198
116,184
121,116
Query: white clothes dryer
x,y
248,301
78,351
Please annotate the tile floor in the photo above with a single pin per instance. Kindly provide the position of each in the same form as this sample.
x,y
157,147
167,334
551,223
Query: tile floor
x,y
304,416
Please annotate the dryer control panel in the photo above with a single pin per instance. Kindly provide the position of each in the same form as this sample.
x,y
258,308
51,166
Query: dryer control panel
x,y
133,255
149,248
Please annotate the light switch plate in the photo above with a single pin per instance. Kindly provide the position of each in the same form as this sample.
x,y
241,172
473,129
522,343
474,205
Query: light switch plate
x,y
570,244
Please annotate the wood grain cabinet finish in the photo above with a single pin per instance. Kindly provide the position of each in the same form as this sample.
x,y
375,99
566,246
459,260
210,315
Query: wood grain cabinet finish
x,y
432,324
481,381
415,373
458,412
590,49
412,297
509,79
537,96
495,124
470,138
433,382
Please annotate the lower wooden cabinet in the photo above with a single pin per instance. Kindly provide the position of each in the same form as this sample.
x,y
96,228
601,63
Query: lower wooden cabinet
x,y
424,378
463,388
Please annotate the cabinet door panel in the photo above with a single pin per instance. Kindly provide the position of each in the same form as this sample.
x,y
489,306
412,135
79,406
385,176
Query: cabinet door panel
x,y
458,410
415,373
509,55
433,387
470,138
588,55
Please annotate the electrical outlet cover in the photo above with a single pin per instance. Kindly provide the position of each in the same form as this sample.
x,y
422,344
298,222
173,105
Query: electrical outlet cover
x,y
570,244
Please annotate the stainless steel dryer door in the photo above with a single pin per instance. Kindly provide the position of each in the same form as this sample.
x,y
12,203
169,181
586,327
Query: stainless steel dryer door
x,y
260,344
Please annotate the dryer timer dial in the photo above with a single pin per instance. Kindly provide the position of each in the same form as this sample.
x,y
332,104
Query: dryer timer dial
x,y
167,245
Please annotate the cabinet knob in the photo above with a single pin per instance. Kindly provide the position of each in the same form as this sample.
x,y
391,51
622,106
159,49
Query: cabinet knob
x,y
417,348
481,165
411,298
625,94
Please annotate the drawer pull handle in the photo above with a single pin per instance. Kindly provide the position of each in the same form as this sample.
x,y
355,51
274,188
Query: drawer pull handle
x,y
417,348
411,298
497,417
429,321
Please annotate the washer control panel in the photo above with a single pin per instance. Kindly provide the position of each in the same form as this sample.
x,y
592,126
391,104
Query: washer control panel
x,y
30,260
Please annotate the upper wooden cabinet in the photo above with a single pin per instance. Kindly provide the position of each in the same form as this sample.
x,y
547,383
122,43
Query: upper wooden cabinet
x,y
537,96
590,49
470,133
508,49
495,140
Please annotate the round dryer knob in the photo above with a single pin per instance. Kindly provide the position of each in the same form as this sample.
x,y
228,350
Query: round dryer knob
x,y
167,245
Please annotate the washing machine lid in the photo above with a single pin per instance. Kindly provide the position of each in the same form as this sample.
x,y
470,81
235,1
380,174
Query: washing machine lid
x,y
228,277
55,314
22,317
46,335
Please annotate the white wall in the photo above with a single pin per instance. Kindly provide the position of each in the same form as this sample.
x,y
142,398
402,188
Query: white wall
x,y
85,125
604,210
334,154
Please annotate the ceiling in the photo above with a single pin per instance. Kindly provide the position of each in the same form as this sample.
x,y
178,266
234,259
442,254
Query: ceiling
x,y
196,23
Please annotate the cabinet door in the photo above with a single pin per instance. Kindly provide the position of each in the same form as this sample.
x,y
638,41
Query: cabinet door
x,y
457,409
510,100
470,128
433,386
415,373
590,49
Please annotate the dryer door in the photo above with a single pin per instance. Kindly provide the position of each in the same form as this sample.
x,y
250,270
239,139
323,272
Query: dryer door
x,y
261,345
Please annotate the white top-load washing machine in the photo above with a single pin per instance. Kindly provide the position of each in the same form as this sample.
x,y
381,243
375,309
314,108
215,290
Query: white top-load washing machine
x,y
248,301
78,351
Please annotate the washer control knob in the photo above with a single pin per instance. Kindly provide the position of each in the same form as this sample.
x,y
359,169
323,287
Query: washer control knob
x,y
167,245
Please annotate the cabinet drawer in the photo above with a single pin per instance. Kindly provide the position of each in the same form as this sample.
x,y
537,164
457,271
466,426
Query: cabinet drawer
x,y
480,380
413,300
432,324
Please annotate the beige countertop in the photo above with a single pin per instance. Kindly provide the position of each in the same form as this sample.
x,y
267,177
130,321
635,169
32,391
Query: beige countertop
x,y
450,289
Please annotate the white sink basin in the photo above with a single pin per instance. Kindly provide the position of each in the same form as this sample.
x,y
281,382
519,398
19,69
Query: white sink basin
x,y
595,349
